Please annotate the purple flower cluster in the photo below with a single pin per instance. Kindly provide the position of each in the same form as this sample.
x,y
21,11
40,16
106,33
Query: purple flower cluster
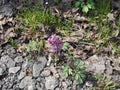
x,y
56,43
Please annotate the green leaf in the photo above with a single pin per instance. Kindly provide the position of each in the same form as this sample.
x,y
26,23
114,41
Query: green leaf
x,y
85,9
65,74
33,45
82,75
70,71
89,6
77,4
76,76
41,44
98,76
27,48
80,81
65,46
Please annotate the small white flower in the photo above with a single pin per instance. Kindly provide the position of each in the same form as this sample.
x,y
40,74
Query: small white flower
x,y
46,3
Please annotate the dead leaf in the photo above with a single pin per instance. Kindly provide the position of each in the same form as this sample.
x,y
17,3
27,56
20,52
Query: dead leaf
x,y
56,12
29,72
94,26
88,48
3,21
109,69
79,18
1,16
9,33
67,14
20,49
12,34
74,10
10,19
79,33
54,71
111,16
85,25
116,64
72,39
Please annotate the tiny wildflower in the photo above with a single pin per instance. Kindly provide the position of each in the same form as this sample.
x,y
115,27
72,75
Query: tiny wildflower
x,y
56,43
56,46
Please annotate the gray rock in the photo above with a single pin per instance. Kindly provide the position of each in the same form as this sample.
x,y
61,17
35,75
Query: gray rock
x,y
38,66
95,64
1,71
14,69
13,78
5,86
99,68
51,83
115,4
74,85
10,63
39,79
42,86
89,84
57,88
39,87
42,59
25,64
68,82
115,78
15,87
18,59
64,85
45,73
10,85
27,83
2,2
22,75
11,51
5,59
6,10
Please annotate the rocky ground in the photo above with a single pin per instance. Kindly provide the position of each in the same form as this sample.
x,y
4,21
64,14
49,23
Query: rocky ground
x,y
19,73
